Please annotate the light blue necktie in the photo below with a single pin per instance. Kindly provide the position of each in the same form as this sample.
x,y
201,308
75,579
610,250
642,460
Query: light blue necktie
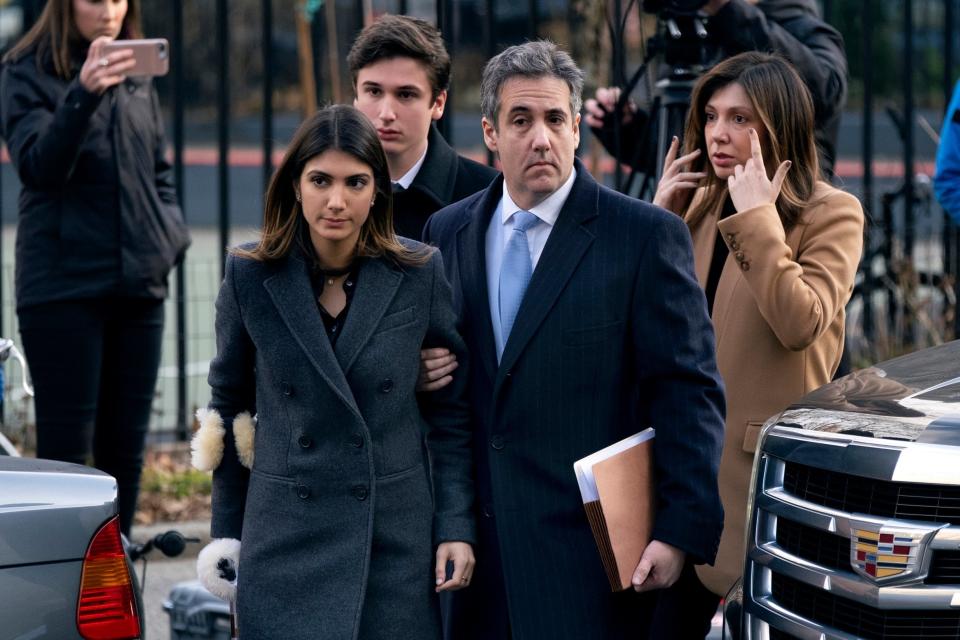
x,y
515,270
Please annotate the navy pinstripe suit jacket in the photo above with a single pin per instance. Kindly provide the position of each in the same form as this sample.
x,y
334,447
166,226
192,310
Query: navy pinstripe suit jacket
x,y
612,336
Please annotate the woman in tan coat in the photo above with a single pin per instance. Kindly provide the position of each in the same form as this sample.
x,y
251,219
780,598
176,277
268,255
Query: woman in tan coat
x,y
776,251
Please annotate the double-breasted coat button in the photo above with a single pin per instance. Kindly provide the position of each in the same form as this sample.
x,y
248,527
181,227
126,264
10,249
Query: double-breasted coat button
x,y
731,237
740,256
303,492
745,265
497,443
488,510
356,440
734,245
386,386
305,442
360,493
286,388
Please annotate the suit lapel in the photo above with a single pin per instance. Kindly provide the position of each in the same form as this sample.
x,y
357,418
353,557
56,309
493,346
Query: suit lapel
x,y
566,245
472,252
292,295
377,284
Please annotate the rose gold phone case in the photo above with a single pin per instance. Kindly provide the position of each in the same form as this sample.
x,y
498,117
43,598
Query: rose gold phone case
x,y
151,56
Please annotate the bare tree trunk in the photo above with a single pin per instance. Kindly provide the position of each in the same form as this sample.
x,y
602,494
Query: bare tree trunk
x,y
367,12
308,84
333,50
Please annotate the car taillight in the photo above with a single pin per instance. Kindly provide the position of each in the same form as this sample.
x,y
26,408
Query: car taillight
x,y
107,608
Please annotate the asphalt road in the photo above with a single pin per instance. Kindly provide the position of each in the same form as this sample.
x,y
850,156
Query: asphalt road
x,y
164,574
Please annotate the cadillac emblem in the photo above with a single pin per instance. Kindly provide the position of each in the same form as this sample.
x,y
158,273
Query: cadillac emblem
x,y
884,552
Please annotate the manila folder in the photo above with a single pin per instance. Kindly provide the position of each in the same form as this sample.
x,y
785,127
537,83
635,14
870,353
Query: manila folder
x,y
618,495
625,485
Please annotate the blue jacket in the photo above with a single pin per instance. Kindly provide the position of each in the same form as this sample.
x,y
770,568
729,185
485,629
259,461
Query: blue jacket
x,y
946,182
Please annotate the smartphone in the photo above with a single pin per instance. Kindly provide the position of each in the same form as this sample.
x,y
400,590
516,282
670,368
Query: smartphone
x,y
151,56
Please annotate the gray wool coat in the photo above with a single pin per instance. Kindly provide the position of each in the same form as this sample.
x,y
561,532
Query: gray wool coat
x,y
340,515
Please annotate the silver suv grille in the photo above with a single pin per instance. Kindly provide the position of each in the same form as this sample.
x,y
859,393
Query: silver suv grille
x,y
842,545
854,494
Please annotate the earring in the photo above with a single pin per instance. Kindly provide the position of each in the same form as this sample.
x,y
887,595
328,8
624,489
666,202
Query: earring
x,y
298,196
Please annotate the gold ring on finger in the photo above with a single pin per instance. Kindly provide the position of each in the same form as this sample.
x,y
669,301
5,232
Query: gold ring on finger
x,y
103,62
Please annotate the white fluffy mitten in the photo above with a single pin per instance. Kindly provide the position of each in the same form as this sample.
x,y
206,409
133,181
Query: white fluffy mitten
x,y
217,567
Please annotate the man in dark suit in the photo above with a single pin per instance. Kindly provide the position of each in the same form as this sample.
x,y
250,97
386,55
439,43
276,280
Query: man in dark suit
x,y
401,72
584,323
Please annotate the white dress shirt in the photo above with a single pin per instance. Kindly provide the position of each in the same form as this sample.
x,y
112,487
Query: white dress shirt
x,y
407,179
498,234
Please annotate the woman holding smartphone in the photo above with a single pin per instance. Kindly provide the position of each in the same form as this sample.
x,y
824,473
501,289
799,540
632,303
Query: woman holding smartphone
x,y
98,231
327,508
776,250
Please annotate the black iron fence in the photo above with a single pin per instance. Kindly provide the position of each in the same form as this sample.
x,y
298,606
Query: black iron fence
x,y
234,100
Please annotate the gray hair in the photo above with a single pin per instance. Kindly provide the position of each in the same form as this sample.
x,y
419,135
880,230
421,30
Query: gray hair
x,y
538,59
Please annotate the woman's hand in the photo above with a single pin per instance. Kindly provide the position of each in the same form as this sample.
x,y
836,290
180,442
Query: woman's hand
x,y
436,365
676,185
461,555
100,72
749,185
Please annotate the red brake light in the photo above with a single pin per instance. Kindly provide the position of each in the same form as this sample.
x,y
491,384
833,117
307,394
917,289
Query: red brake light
x,y
107,609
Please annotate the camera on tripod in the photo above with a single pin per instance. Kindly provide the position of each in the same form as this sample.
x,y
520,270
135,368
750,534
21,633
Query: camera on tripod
x,y
674,6
681,50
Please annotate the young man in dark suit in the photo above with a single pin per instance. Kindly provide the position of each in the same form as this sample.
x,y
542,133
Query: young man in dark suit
x,y
584,324
401,72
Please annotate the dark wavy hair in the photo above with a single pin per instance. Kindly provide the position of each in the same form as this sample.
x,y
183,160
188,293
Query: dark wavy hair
x,y
782,101
394,36
345,129
54,36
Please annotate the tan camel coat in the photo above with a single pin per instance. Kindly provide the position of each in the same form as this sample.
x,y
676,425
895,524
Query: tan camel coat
x,y
779,320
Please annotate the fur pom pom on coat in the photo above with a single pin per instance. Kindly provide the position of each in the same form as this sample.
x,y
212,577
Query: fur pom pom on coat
x,y
206,447
244,430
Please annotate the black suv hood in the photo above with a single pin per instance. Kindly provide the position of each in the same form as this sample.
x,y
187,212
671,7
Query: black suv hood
x,y
914,398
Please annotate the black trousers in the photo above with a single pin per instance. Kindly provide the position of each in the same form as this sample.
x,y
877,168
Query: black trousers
x,y
94,368
685,610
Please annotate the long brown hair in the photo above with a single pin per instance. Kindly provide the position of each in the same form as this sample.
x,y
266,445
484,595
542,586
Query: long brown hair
x,y
782,101
55,35
345,129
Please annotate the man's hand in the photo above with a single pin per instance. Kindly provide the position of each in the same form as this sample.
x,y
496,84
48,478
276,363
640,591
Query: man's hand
x,y
605,101
436,365
659,567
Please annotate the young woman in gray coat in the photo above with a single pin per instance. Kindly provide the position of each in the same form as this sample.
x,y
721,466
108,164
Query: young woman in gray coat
x,y
336,521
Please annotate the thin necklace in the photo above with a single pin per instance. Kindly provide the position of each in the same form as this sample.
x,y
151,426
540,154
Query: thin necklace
x,y
333,274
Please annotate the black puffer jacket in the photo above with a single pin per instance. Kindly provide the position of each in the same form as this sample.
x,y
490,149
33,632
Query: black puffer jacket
x,y
792,28
98,210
